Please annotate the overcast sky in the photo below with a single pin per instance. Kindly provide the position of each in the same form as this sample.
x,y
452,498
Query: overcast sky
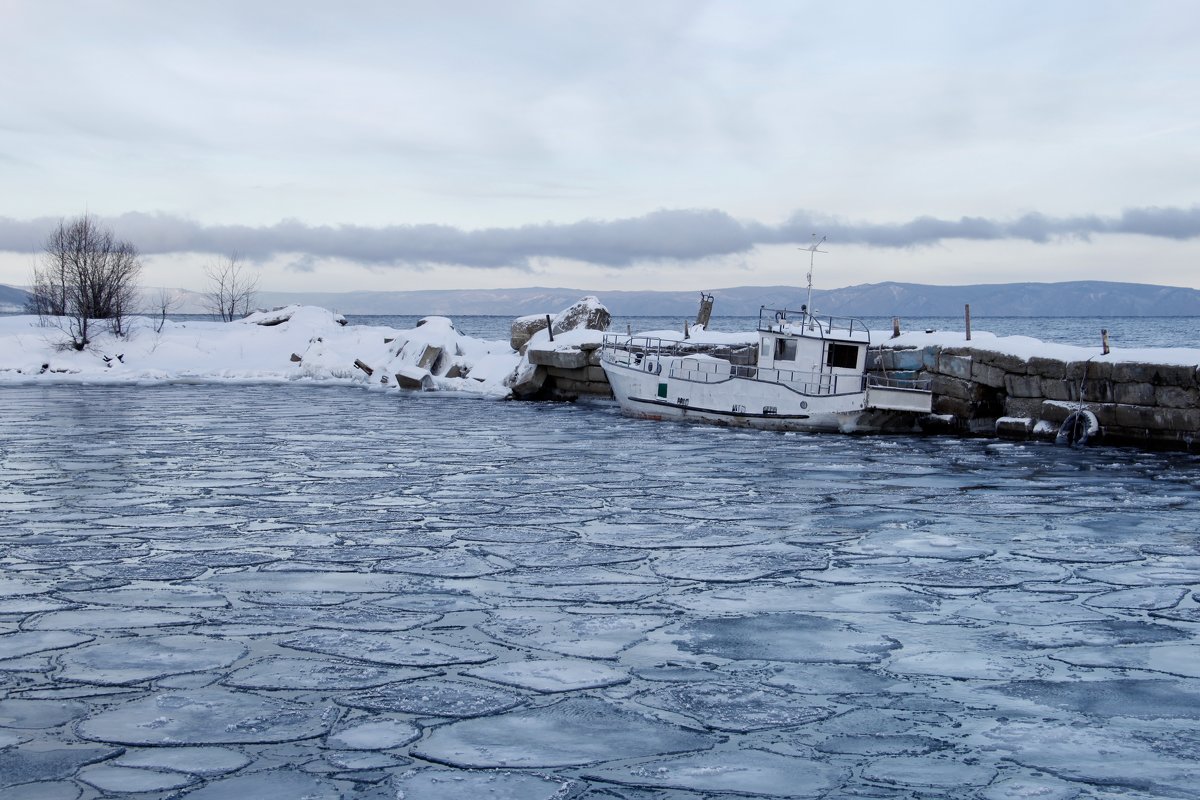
x,y
606,145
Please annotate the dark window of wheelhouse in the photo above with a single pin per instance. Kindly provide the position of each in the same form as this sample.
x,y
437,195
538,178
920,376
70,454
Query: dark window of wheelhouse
x,y
785,350
842,355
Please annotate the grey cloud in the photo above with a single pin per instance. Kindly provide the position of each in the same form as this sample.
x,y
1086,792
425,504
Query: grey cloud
x,y
678,235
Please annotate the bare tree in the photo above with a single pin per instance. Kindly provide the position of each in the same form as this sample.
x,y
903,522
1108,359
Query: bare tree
x,y
86,274
165,302
231,288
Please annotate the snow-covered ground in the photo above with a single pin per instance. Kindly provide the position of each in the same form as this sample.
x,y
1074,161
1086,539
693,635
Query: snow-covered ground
x,y
248,351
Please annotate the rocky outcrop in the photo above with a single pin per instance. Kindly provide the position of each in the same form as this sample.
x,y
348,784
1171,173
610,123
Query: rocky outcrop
x,y
568,365
523,329
587,314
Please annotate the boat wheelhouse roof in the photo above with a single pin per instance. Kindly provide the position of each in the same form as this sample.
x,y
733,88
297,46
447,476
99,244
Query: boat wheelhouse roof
x,y
812,326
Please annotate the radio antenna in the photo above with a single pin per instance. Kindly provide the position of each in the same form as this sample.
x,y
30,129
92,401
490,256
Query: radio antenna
x,y
812,249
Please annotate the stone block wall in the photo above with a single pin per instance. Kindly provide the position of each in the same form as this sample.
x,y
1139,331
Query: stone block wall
x,y
982,391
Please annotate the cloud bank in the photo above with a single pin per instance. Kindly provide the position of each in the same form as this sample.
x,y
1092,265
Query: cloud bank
x,y
671,235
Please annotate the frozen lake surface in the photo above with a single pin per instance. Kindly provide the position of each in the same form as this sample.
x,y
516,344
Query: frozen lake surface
x,y
269,592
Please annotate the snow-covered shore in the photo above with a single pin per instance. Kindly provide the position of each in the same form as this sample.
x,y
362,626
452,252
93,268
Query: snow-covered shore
x,y
263,348
249,351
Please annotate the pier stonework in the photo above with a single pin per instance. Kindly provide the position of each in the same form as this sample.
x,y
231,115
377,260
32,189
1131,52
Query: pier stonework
x,y
982,391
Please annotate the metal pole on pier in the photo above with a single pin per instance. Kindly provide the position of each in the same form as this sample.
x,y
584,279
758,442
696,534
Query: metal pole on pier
x,y
968,317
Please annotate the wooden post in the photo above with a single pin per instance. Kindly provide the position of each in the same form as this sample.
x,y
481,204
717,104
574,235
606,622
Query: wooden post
x,y
1104,339
685,330
968,317
550,327
895,327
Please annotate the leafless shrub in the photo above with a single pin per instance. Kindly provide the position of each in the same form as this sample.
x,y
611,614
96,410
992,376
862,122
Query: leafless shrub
x,y
231,288
86,275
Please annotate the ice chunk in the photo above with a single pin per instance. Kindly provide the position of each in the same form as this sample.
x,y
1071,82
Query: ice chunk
x,y
742,772
492,785
784,637
1174,659
739,707
513,534
157,597
1104,754
23,643
1024,612
107,619
574,731
295,598
762,596
934,771
443,698
925,544
23,713
125,780
132,660
439,603
1123,697
378,648
47,762
207,716
354,618
383,734
583,635
445,564
563,554
961,664
278,784
735,564
192,760
278,672
1150,598
553,675
1032,787
617,594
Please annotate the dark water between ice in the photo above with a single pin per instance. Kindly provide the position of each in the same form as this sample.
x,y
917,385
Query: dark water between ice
x,y
268,592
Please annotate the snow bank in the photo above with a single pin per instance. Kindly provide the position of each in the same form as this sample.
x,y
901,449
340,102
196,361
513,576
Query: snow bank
x,y
262,348
1026,347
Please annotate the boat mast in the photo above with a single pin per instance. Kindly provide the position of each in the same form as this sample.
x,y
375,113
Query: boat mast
x,y
812,249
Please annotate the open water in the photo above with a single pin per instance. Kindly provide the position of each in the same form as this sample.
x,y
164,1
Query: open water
x,y
283,592
1082,331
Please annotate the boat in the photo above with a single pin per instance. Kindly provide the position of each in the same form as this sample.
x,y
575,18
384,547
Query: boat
x,y
797,372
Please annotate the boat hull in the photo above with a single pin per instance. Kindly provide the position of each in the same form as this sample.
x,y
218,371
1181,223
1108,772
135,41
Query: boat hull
x,y
734,402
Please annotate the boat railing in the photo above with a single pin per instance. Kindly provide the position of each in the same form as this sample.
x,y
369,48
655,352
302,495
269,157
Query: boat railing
x,y
809,383
912,384
807,324
633,350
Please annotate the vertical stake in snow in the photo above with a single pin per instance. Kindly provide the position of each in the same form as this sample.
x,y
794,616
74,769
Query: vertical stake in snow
x,y
895,327
1104,339
549,327
967,314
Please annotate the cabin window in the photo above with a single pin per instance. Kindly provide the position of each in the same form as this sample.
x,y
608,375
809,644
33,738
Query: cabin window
x,y
785,350
842,355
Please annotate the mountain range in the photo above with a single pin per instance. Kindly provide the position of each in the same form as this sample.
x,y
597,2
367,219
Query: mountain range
x,y
1068,299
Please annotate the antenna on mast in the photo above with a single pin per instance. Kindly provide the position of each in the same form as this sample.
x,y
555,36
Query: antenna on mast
x,y
812,249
